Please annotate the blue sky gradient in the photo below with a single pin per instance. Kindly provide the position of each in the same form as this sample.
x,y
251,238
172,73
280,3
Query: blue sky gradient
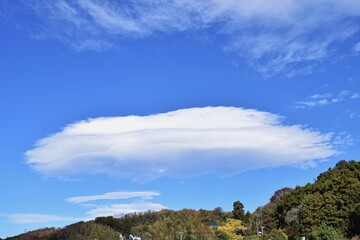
x,y
66,64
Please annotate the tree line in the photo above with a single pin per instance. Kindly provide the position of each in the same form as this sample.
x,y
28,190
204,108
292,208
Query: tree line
x,y
327,209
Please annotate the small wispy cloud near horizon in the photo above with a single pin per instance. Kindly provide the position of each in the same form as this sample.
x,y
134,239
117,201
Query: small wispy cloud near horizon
x,y
124,208
111,206
103,210
179,144
290,37
324,99
29,218
113,196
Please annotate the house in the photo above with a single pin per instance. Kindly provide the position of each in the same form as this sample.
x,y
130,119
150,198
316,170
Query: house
x,y
134,237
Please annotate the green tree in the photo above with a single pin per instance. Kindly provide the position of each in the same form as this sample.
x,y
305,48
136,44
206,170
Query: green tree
x,y
265,214
238,211
327,233
109,221
354,219
332,200
277,235
91,231
252,237
186,221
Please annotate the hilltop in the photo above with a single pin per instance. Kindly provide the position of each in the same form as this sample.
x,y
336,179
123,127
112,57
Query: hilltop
x,y
329,208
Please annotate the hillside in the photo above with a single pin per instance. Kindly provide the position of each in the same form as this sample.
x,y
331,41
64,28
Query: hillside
x,y
332,200
329,208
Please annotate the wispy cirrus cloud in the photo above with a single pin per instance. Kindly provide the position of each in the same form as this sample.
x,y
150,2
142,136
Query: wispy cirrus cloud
x,y
27,218
178,144
324,99
124,208
283,36
112,207
354,114
356,47
113,196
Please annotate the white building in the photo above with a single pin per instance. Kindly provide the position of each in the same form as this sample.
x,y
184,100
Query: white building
x,y
134,237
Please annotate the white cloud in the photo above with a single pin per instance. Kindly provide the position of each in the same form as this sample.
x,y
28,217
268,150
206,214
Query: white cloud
x,y
321,96
26,218
355,96
120,209
354,115
96,210
318,100
178,144
116,209
273,36
356,47
113,196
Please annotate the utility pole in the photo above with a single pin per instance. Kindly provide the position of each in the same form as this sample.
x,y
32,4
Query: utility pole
x,y
257,226
262,230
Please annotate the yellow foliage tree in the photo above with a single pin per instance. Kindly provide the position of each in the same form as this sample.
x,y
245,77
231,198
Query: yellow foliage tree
x,y
233,228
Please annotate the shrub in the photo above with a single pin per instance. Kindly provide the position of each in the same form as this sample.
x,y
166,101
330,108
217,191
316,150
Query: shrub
x,y
325,232
277,235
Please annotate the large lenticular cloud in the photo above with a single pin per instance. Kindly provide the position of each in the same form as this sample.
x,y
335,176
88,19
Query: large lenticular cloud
x,y
179,144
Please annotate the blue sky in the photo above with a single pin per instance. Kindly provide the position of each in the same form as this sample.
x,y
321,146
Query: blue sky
x,y
109,107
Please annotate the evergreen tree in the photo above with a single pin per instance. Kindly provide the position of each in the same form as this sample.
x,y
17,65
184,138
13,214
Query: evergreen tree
x,y
238,211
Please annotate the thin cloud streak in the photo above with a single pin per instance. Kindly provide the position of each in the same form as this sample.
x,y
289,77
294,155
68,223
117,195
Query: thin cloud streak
x,y
318,100
178,144
96,210
28,218
113,196
121,209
